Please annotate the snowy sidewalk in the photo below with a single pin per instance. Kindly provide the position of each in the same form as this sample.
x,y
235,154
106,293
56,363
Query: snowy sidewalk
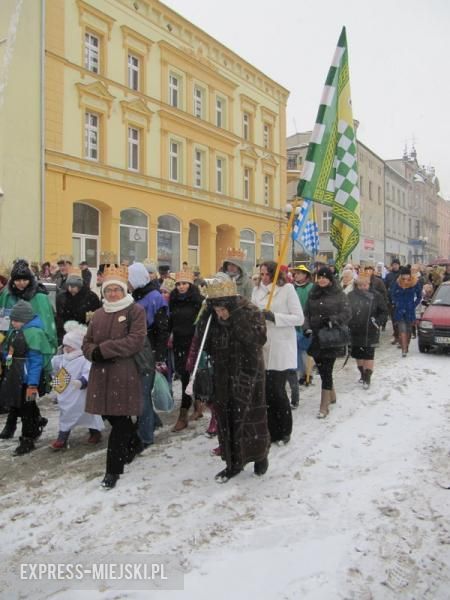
x,y
350,509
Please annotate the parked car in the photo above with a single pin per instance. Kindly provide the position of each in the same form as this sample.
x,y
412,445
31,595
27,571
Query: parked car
x,y
434,325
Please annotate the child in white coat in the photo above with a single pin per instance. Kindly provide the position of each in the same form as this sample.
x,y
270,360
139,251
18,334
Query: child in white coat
x,y
70,377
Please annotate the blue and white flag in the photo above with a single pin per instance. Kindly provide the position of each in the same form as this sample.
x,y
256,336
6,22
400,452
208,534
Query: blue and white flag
x,y
301,218
310,238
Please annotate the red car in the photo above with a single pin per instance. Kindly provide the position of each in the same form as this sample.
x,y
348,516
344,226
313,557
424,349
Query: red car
x,y
434,325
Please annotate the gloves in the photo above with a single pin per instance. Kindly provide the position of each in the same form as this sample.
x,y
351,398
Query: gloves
x,y
268,315
307,333
97,355
31,394
76,383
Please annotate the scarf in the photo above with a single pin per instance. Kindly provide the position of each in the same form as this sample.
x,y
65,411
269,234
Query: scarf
x,y
407,284
112,307
72,355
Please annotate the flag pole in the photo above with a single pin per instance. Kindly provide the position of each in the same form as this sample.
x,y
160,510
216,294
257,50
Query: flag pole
x,y
282,251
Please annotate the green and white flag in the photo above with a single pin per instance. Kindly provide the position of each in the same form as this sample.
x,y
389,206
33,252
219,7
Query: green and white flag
x,y
330,172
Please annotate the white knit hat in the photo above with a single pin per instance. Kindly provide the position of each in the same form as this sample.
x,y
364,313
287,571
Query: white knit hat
x,y
75,334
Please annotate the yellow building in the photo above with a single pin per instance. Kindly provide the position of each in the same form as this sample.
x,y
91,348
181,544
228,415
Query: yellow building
x,y
159,141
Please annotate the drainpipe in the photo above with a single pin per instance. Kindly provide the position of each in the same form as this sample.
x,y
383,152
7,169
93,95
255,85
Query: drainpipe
x,y
42,128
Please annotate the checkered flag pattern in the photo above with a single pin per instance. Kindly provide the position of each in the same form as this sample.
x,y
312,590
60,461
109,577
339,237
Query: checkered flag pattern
x,y
310,238
330,172
61,380
301,219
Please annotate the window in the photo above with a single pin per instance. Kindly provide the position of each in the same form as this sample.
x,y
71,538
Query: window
x,y
267,189
246,126
247,243
133,235
193,244
361,186
174,161
168,242
246,184
267,246
85,238
220,188
370,191
220,112
174,91
198,168
388,192
379,195
198,102
133,149
267,136
133,72
91,136
326,221
92,52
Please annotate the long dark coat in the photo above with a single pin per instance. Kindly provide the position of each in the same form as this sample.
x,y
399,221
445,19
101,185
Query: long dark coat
x,y
114,387
183,309
236,352
323,305
74,308
366,307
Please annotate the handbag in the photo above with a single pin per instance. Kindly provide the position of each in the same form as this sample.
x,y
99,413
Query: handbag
x,y
334,335
203,382
161,394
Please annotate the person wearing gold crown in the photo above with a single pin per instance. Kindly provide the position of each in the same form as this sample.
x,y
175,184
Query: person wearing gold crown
x,y
235,343
233,266
116,333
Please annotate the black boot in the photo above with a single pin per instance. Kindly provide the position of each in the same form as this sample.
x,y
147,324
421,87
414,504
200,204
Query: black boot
x,y
110,480
40,427
367,376
260,467
26,445
361,370
10,427
227,474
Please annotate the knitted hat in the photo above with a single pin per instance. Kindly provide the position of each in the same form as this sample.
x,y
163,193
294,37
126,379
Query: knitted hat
x,y
22,311
395,261
138,275
325,272
74,278
21,270
406,270
163,269
75,334
150,265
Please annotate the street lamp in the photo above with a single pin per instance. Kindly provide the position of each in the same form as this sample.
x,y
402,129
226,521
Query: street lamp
x,y
293,205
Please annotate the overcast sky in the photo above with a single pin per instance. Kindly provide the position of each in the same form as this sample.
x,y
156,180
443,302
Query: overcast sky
x,y
399,55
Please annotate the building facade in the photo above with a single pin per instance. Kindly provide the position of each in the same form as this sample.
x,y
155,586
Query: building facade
x,y
159,141
443,215
398,192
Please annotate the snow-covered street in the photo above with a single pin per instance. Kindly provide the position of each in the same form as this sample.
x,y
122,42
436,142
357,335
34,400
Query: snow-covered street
x,y
352,508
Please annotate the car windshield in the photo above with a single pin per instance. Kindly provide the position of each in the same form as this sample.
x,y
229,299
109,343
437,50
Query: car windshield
x,y
442,296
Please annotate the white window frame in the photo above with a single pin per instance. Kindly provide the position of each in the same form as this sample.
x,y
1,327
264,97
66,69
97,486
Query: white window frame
x,y
90,131
199,96
174,160
246,126
220,175
220,112
198,167
92,52
327,217
174,90
266,136
134,146
247,176
267,187
134,71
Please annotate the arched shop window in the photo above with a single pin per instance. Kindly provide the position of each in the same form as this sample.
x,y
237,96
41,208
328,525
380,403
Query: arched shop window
x,y
133,235
169,242
85,234
267,246
247,243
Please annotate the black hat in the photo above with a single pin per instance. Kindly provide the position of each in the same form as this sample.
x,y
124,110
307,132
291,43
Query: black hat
x,y
22,311
325,272
395,261
405,270
164,268
21,270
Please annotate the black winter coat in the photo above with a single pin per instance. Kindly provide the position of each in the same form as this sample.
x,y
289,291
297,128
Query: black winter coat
x,y
74,308
183,309
369,311
324,305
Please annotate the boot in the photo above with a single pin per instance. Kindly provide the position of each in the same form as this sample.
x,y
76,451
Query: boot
x,y
324,404
212,427
61,442
404,343
367,376
198,411
40,428
26,445
361,370
110,480
10,427
333,396
260,467
95,436
182,422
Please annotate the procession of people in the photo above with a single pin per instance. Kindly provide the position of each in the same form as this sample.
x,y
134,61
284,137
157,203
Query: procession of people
x,y
259,335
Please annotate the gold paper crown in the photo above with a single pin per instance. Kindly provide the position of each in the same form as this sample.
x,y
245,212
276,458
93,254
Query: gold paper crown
x,y
108,257
184,276
221,288
235,253
168,284
115,273
74,272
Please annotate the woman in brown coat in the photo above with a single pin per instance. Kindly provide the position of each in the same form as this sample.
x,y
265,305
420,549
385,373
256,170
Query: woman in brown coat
x,y
115,334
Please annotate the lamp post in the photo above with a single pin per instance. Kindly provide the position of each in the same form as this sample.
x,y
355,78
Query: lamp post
x,y
293,205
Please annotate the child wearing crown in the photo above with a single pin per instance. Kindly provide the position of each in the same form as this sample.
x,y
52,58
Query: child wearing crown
x,y
70,378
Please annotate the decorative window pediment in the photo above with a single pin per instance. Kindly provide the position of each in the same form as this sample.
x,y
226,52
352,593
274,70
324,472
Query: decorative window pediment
x,y
138,111
133,39
249,152
268,116
92,17
95,94
268,160
248,104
